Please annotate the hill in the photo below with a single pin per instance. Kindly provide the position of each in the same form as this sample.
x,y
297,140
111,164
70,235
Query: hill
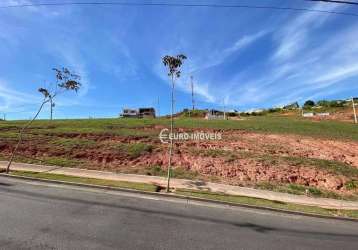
x,y
275,152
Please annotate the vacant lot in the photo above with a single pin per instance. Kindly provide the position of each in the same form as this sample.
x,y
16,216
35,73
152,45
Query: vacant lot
x,y
279,153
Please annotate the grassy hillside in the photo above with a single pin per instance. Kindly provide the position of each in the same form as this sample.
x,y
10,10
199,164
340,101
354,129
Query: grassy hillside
x,y
269,124
240,158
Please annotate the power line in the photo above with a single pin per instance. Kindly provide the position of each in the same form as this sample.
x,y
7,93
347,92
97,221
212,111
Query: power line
x,y
184,5
334,1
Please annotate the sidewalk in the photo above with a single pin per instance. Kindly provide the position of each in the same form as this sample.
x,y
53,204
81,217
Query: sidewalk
x,y
188,184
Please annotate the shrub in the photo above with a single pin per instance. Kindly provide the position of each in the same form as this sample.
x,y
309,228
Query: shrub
x,y
314,191
351,185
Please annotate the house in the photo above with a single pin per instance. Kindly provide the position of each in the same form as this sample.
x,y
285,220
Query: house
x,y
254,111
292,106
129,113
213,114
138,113
146,112
233,112
310,114
323,114
355,99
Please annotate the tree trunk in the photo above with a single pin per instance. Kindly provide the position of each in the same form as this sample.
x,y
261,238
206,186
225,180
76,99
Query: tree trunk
x,y
51,109
171,138
20,136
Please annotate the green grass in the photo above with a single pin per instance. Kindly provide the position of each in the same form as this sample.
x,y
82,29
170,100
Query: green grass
x,y
214,153
133,150
192,193
50,161
155,171
334,167
194,113
92,181
330,166
280,125
229,156
176,172
181,173
268,203
69,143
127,127
303,190
137,149
352,185
61,162
124,127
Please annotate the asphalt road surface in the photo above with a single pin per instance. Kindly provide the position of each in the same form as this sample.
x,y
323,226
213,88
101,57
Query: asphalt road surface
x,y
36,215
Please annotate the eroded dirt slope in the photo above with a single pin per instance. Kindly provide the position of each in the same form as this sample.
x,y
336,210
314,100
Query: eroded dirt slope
x,y
240,158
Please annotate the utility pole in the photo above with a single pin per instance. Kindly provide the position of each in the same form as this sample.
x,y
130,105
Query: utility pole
x,y
192,92
158,107
224,110
354,111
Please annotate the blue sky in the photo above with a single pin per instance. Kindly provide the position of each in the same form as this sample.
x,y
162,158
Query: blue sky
x,y
243,58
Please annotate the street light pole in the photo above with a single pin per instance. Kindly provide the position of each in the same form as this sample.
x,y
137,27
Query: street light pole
x,y
354,111
192,92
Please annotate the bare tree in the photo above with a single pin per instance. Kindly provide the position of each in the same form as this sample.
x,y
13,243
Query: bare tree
x,y
65,80
173,64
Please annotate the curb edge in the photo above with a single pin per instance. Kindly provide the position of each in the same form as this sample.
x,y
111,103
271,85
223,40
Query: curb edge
x,y
176,196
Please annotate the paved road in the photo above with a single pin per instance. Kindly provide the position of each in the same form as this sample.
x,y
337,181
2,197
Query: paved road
x,y
46,216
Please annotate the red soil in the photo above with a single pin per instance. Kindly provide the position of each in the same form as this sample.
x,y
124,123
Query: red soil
x,y
239,170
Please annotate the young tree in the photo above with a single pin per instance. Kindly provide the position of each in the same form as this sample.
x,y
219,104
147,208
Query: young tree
x,y
63,77
173,64
309,104
65,80
52,105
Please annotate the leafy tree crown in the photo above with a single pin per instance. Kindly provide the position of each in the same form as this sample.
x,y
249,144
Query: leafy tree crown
x,y
174,63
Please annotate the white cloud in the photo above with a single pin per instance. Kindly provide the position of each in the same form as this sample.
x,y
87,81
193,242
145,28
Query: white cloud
x,y
201,89
296,61
295,34
35,10
20,2
215,58
219,56
337,74
68,54
245,41
303,62
12,99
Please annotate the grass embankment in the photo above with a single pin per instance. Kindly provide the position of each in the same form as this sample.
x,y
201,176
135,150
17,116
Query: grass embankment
x,y
135,127
198,194
331,166
91,181
49,161
307,190
269,204
177,172
62,137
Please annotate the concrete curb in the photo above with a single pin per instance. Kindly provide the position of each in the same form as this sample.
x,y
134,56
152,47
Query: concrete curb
x,y
176,196
191,184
